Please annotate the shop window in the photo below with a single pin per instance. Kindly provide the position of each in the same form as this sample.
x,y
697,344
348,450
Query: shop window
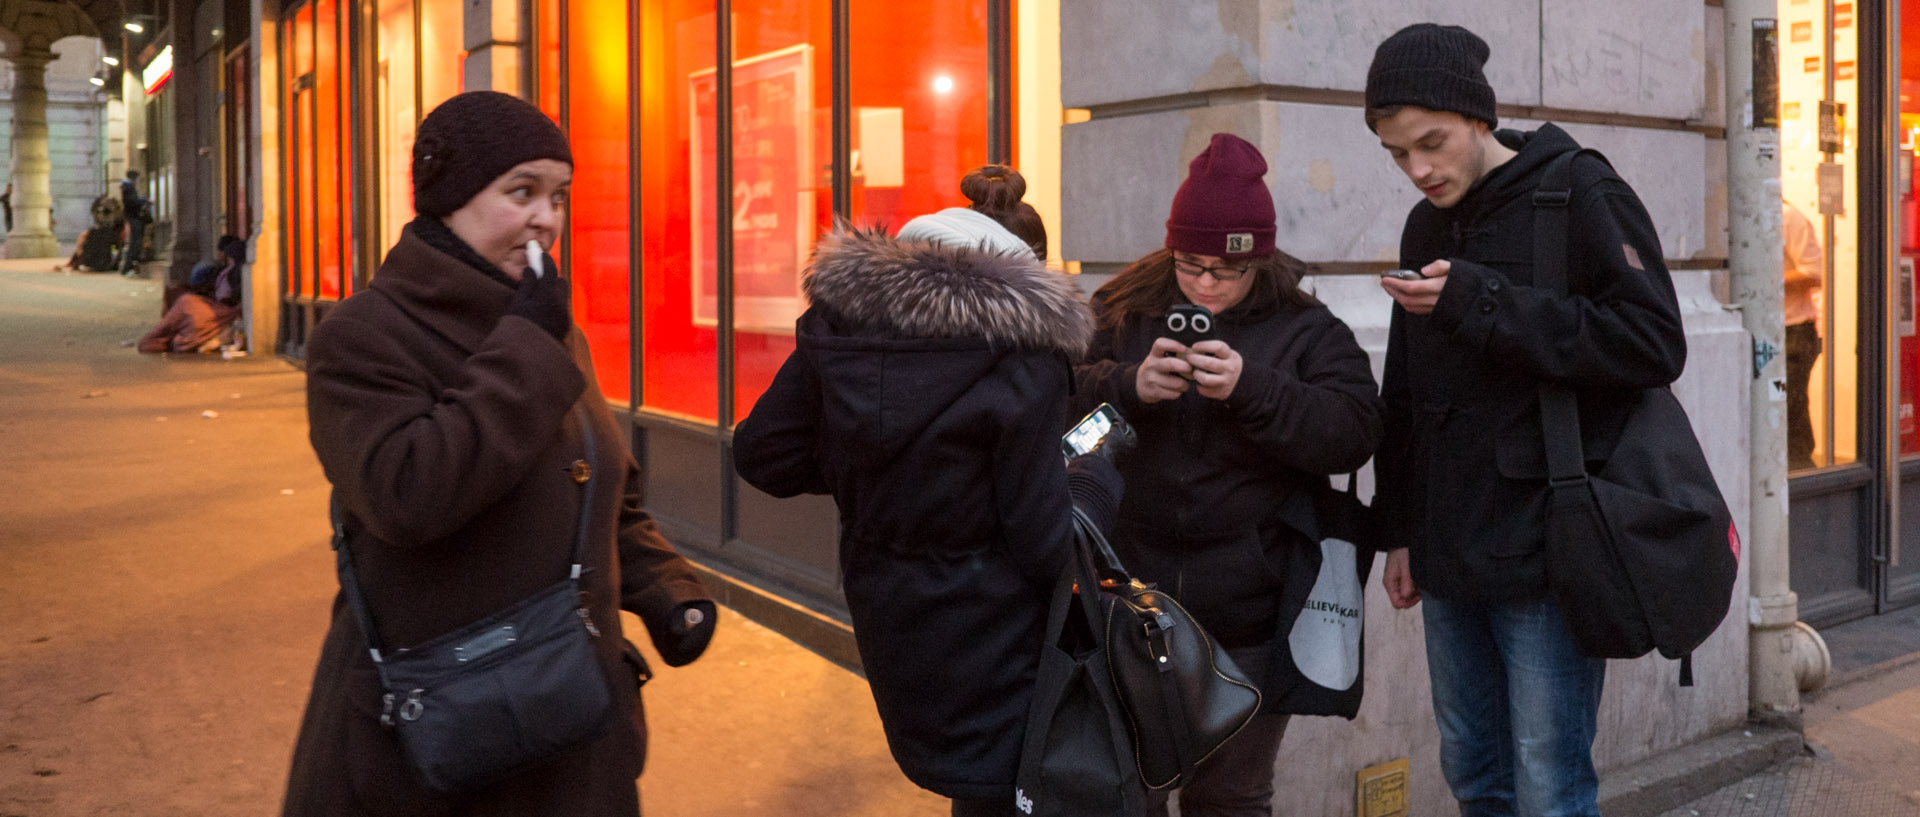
x,y
546,38
1819,163
300,194
782,180
600,212
676,48
395,87
919,85
442,59
329,194
1906,220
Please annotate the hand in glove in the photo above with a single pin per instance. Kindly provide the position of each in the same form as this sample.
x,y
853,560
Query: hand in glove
x,y
688,630
542,299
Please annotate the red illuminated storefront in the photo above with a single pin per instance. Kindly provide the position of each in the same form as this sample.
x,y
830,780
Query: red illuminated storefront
x,y
699,187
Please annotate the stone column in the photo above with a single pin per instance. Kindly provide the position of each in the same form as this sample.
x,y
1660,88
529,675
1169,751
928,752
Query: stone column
x,y
32,235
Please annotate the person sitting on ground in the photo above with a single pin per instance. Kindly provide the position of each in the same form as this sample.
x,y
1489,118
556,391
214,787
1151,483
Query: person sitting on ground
x,y
200,318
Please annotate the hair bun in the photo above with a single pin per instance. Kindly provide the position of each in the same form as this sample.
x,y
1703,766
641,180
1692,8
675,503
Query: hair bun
x,y
994,189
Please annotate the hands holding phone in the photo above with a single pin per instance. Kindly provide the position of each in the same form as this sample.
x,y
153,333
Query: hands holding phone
x,y
1173,367
1418,296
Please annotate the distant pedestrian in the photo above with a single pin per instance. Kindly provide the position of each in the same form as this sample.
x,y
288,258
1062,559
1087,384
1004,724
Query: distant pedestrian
x,y
6,205
450,404
927,394
1462,474
138,210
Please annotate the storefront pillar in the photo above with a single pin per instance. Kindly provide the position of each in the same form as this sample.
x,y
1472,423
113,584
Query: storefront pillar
x,y
1786,656
496,43
32,176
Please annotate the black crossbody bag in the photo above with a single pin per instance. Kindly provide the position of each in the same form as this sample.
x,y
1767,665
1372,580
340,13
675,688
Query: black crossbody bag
x,y
481,703
1642,554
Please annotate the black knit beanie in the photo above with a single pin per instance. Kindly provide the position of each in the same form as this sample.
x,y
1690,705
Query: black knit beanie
x,y
474,138
1436,67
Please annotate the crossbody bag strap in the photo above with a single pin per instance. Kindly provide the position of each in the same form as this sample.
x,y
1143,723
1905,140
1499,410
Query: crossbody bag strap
x,y
1559,411
350,583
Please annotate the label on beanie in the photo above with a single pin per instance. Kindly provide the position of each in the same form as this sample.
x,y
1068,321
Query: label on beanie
x,y
1239,242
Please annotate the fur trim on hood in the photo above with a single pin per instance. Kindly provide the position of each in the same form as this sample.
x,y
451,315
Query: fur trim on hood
x,y
928,290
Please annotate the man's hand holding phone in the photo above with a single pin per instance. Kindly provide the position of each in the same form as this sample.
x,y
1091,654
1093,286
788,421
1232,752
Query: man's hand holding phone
x,y
1165,374
1418,297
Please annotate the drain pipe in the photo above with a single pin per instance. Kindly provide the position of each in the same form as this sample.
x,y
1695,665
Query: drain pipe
x,y
1785,656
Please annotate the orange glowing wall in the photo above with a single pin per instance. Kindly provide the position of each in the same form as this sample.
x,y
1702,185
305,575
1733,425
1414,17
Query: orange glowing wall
x,y
600,214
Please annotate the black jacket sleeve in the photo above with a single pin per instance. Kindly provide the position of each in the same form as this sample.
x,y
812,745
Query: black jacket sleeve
x,y
774,448
1391,470
1322,419
1620,328
1029,472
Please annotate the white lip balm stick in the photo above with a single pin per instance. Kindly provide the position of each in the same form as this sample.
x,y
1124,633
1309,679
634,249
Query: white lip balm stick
x,y
534,260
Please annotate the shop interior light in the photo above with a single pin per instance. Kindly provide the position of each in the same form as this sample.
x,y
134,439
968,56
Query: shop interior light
x,y
110,60
133,27
943,84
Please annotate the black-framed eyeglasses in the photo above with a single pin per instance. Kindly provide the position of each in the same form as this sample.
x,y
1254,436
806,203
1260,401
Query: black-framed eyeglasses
x,y
1193,270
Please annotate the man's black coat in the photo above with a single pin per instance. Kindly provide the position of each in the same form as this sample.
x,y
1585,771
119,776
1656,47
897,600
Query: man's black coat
x,y
1462,470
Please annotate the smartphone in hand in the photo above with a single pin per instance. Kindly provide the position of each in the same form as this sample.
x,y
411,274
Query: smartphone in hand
x,y
1189,324
1091,429
1404,275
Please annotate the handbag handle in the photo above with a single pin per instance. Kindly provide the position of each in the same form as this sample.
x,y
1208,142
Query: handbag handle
x,y
1105,563
350,585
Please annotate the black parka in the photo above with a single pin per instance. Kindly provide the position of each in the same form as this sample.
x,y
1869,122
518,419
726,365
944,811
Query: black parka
x,y
1462,473
927,393
1218,487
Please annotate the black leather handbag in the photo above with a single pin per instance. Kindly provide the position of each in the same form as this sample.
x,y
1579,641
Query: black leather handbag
x,y
1076,759
1183,696
1641,555
477,705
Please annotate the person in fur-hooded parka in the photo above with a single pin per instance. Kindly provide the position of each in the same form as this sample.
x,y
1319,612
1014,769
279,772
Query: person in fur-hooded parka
x,y
927,394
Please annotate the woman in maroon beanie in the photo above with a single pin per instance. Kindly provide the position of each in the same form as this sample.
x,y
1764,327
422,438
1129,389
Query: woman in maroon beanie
x,y
1235,432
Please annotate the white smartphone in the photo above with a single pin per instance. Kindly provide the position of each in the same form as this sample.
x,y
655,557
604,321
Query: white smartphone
x,y
536,260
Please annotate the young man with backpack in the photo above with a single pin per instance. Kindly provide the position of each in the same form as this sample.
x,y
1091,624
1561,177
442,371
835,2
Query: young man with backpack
x,y
1462,472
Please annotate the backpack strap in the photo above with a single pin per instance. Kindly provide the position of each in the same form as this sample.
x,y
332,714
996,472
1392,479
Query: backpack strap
x,y
1559,411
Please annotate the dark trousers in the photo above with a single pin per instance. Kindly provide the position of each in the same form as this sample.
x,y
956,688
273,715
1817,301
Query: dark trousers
x,y
1237,779
996,807
130,256
1803,348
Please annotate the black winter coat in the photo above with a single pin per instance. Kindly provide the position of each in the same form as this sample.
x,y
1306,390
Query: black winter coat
x,y
1217,488
927,394
1462,474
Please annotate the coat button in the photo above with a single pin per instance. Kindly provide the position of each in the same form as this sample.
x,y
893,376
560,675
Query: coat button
x,y
1493,285
1486,307
581,471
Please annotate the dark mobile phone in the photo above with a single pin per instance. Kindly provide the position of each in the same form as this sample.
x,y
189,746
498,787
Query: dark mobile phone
x,y
1090,430
1189,323
1403,274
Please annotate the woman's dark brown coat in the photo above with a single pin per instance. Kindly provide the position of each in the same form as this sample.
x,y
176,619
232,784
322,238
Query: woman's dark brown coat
x,y
448,431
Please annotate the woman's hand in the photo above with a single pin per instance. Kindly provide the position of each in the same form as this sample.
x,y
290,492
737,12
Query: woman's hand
x,y
1216,368
1163,375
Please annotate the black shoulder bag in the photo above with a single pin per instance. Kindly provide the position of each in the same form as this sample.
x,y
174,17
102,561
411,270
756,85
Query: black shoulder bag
x,y
1641,555
476,705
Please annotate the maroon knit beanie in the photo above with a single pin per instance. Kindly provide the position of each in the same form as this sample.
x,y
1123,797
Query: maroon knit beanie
x,y
1223,208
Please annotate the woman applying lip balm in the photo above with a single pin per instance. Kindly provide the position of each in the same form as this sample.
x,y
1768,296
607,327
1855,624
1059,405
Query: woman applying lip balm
x,y
451,404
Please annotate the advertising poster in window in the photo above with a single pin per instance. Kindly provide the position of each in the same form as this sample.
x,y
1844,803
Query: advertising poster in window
x,y
773,196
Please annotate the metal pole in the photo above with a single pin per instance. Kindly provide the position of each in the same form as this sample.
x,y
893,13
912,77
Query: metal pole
x,y
1756,266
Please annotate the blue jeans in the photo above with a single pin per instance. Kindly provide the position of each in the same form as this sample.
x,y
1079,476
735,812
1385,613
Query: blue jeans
x,y
1517,706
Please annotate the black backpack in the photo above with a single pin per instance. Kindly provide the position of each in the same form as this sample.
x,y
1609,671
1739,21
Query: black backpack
x,y
1641,555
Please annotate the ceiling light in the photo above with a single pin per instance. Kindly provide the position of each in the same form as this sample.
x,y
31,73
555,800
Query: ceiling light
x,y
133,27
98,82
110,60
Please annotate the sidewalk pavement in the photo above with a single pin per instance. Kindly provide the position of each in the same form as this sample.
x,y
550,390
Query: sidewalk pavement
x,y
167,581
163,525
